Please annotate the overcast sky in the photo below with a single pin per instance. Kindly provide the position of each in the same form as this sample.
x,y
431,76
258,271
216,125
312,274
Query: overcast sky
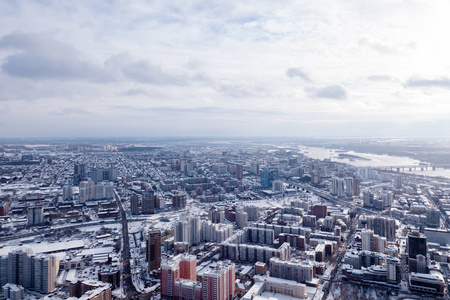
x,y
224,68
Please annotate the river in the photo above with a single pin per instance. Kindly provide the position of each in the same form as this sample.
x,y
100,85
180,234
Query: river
x,y
370,160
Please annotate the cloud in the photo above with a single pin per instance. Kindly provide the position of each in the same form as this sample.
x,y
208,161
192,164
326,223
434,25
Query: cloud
x,y
442,82
381,78
145,72
42,57
297,72
384,47
329,92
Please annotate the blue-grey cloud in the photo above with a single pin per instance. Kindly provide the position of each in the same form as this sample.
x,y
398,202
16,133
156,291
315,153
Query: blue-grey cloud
x,y
442,82
42,57
298,72
329,92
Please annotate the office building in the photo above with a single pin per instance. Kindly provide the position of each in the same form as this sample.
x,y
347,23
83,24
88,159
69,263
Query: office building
x,y
417,252
267,177
154,249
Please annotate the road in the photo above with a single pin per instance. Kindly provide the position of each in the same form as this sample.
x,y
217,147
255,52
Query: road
x,y
130,290
342,250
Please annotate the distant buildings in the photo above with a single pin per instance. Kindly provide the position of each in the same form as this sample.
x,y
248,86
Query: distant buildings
x,y
100,174
89,191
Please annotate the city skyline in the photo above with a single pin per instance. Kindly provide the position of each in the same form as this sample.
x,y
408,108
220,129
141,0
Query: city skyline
x,y
139,69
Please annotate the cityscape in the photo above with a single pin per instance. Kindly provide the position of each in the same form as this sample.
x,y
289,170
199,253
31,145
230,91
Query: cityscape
x,y
224,150
223,219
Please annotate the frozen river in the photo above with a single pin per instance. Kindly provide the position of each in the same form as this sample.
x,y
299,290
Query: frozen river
x,y
368,159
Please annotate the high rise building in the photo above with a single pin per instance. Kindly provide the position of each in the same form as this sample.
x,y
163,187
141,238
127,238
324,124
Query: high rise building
x,y
178,200
134,204
320,211
148,202
194,230
170,273
349,187
239,171
79,173
35,215
278,186
216,215
188,265
300,271
356,187
417,246
368,198
180,267
398,182
433,217
219,283
382,226
254,168
338,187
100,174
154,249
181,231
18,267
35,272
252,211
241,218
67,193
45,271
267,177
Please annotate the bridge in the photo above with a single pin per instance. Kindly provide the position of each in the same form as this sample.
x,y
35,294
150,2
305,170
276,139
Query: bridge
x,y
423,167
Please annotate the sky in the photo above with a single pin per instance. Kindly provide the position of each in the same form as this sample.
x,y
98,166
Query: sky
x,y
224,68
